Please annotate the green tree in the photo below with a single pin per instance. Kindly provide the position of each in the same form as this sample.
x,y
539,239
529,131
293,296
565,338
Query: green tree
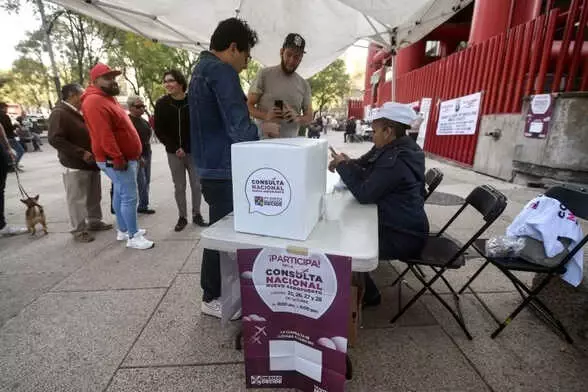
x,y
248,75
27,83
143,62
330,85
81,42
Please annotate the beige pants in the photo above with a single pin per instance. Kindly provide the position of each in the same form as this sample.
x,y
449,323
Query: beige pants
x,y
83,193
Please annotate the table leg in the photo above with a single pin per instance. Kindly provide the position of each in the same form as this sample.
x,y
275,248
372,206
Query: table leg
x,y
230,286
349,367
358,279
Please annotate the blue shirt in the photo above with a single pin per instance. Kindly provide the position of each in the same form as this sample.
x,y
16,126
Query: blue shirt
x,y
219,116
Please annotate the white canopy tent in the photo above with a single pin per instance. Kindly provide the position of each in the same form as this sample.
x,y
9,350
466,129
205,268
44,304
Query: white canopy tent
x,y
329,26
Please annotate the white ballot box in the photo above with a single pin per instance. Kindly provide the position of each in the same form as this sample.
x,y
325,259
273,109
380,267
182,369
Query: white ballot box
x,y
278,186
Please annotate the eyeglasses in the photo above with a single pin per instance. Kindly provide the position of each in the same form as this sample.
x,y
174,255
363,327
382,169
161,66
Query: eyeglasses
x,y
169,80
139,106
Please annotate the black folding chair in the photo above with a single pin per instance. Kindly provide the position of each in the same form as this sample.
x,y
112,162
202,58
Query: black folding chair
x,y
433,178
442,253
576,200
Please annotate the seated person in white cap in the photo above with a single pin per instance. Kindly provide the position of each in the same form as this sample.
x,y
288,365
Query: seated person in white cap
x,y
391,175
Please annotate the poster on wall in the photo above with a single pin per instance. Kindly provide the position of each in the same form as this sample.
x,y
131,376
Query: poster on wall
x,y
539,116
459,116
367,113
424,112
295,319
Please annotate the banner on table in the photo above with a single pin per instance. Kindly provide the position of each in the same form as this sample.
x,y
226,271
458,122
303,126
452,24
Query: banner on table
x,y
539,116
295,319
459,116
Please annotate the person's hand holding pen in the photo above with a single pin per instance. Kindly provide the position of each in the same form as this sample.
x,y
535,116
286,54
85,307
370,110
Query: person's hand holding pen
x,y
337,159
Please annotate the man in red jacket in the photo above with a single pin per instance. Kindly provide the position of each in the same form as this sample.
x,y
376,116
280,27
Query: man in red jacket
x,y
117,149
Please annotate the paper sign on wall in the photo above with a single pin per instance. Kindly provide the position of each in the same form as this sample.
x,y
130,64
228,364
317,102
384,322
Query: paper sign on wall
x,y
539,116
425,110
459,116
295,318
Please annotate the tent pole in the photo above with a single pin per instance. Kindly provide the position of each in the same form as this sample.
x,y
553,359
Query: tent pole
x,y
393,81
121,21
378,35
122,9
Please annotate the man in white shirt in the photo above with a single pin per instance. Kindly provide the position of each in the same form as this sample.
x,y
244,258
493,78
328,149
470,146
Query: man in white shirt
x,y
279,98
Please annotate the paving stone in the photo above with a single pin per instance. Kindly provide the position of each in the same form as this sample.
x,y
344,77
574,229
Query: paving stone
x,y
72,341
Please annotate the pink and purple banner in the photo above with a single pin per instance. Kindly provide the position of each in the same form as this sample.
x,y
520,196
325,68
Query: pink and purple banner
x,y
295,319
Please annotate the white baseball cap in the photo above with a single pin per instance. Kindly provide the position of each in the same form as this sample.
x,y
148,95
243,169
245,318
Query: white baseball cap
x,y
395,111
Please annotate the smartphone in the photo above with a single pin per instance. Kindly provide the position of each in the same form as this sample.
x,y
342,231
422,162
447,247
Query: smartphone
x,y
279,104
333,151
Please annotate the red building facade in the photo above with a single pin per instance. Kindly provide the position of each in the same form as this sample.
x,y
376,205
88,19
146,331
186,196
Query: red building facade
x,y
507,49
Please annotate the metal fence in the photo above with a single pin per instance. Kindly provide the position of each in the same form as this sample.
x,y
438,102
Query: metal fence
x,y
543,55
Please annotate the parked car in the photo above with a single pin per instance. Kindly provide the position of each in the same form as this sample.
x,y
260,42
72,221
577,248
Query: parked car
x,y
39,123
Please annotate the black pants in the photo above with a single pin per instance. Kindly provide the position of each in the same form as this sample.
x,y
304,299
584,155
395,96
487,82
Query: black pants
x,y
219,196
394,245
348,137
4,167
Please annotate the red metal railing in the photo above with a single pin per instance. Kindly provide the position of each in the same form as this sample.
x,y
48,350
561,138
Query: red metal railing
x,y
355,108
505,68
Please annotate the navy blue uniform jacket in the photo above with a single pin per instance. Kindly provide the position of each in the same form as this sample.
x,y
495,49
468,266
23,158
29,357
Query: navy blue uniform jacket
x,y
393,177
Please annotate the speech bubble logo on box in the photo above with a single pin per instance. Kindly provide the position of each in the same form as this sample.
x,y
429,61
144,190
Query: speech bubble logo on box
x,y
268,192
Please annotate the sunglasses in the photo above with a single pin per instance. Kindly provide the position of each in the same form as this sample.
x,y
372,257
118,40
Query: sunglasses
x,y
139,106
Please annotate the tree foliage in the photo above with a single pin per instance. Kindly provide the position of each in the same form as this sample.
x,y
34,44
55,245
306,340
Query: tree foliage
x,y
79,42
330,85
143,63
248,75
27,83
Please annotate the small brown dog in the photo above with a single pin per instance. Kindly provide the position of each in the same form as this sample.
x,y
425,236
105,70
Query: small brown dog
x,y
34,214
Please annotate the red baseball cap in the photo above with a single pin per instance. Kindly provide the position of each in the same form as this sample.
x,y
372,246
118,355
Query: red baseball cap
x,y
101,70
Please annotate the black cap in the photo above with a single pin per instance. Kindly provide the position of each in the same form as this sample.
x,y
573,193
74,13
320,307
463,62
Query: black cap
x,y
294,41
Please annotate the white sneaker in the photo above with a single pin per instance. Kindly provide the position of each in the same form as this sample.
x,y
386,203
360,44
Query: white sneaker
x,y
215,309
124,236
139,242
10,230
212,308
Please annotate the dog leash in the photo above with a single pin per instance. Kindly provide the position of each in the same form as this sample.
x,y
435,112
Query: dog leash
x,y
22,191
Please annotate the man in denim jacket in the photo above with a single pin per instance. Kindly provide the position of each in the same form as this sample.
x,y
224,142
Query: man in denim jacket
x,y
218,118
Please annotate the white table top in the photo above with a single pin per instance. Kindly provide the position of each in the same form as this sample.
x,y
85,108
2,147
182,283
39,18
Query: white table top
x,y
354,233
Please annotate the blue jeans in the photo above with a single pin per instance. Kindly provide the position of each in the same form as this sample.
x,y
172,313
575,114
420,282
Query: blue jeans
x,y
18,149
124,199
143,180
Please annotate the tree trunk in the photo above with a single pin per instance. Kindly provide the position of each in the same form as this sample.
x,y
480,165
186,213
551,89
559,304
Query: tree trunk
x,y
49,47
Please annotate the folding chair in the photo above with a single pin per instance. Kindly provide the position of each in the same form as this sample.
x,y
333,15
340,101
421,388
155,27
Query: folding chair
x,y
577,202
433,178
442,253
355,138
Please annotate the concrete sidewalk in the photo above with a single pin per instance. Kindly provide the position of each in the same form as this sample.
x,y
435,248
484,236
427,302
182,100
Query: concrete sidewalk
x,y
100,317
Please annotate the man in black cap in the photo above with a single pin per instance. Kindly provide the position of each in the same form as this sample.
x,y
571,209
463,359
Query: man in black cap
x,y
279,98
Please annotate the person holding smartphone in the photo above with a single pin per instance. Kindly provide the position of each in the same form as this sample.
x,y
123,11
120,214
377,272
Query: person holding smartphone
x,y
392,176
279,98
117,149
